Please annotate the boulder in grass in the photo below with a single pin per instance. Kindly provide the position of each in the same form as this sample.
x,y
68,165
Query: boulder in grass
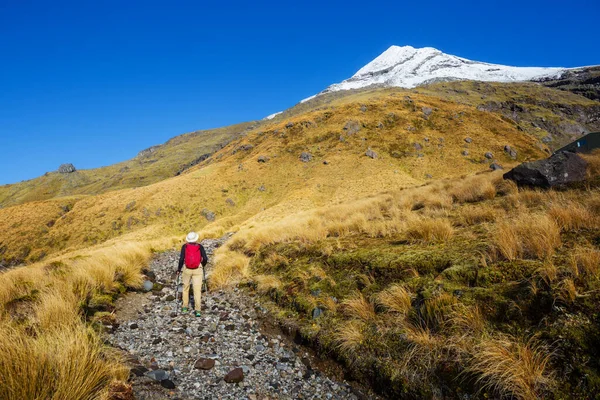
x,y
66,168
370,153
560,169
305,156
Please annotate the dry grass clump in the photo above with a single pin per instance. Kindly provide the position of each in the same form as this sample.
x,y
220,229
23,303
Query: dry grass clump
x,y
429,230
349,337
572,216
68,363
229,268
536,197
478,214
585,261
473,190
266,283
593,160
467,320
396,299
512,368
359,307
530,236
436,310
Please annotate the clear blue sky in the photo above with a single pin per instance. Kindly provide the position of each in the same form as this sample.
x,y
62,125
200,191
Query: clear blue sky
x,y
94,82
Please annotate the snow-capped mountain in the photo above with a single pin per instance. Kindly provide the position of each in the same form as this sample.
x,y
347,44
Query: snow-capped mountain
x,y
409,67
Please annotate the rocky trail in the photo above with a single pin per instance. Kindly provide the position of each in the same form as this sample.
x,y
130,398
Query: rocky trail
x,y
224,354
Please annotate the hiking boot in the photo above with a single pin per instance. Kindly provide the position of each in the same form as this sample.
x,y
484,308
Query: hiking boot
x,y
198,314
184,310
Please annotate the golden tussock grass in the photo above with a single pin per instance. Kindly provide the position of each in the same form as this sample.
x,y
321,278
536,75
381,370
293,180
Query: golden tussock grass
x,y
585,261
349,337
429,230
512,368
467,320
477,215
530,236
436,310
573,216
548,272
51,354
68,363
266,283
229,267
359,307
473,189
396,299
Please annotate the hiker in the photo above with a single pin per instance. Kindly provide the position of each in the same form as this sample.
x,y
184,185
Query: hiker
x,y
194,257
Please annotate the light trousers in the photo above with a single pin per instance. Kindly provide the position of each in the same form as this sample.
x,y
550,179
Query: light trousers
x,y
193,276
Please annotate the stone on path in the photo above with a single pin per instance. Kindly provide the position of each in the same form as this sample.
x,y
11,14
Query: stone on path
x,y
205,364
234,376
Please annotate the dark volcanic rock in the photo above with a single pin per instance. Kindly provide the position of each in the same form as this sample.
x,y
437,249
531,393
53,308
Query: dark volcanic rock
x,y
235,376
66,168
510,151
167,383
558,170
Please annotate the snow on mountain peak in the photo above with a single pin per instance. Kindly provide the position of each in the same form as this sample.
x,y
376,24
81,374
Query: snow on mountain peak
x,y
409,67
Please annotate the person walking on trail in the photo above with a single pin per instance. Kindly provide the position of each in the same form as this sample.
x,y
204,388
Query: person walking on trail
x,y
192,260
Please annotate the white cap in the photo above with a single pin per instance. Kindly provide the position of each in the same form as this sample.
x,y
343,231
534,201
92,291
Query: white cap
x,y
191,237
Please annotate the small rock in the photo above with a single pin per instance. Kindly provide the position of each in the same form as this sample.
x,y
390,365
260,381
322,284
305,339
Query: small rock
x,y
489,155
170,298
262,188
209,215
156,341
317,312
133,326
305,156
351,128
204,364
230,327
495,166
370,153
66,169
230,202
147,286
510,151
427,111
465,153
468,140
325,162
158,375
263,159
139,370
234,376
289,125
167,383
417,146
428,176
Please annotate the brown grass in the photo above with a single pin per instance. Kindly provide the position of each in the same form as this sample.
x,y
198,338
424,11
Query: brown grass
x,y
530,236
349,337
585,261
266,283
69,363
572,216
512,368
473,190
429,230
229,267
358,307
396,299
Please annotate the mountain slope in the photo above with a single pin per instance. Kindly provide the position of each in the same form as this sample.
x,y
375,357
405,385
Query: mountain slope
x,y
150,166
409,67
412,139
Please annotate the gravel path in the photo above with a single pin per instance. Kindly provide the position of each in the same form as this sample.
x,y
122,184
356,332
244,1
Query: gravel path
x,y
183,357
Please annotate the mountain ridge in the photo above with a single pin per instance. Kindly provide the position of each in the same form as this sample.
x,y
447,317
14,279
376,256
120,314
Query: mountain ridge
x,y
409,67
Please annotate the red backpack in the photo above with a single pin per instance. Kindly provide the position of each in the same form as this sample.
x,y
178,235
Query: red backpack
x,y
193,257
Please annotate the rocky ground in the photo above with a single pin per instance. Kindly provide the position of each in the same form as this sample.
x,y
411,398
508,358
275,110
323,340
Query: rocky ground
x,y
221,355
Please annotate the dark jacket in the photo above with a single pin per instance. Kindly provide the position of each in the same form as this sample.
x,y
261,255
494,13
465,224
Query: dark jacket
x,y
182,257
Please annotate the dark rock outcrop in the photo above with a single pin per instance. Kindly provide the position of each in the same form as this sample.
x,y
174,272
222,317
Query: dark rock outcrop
x,y
558,170
66,168
193,162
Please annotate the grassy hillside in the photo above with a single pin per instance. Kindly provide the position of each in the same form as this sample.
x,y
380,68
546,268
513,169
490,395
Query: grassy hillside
x,y
458,287
415,139
150,166
432,276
